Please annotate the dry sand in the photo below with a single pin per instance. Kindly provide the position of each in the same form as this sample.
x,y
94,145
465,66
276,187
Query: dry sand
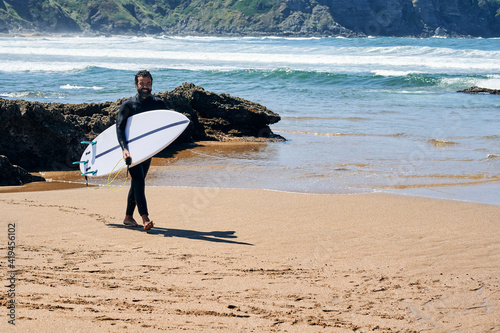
x,y
225,260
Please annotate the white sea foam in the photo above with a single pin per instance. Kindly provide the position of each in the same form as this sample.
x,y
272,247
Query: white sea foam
x,y
204,52
31,94
492,82
69,86
389,72
20,94
34,66
185,60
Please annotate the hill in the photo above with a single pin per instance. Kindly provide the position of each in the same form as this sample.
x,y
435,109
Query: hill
x,y
418,18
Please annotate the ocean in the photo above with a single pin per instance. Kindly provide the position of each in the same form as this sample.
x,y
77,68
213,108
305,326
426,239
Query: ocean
x,y
360,115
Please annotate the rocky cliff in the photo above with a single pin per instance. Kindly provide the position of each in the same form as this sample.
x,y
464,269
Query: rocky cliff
x,y
47,136
419,18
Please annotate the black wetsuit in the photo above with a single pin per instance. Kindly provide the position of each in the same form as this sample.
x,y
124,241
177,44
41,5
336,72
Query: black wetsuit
x,y
136,194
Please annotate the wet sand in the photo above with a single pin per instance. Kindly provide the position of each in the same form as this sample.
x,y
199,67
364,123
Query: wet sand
x,y
229,260
259,165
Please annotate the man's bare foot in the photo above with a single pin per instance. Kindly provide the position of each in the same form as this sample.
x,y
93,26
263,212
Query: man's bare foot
x,y
130,222
148,225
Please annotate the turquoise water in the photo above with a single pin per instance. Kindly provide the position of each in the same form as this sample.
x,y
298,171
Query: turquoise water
x,y
360,115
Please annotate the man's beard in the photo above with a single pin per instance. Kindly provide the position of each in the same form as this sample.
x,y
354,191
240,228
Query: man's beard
x,y
144,93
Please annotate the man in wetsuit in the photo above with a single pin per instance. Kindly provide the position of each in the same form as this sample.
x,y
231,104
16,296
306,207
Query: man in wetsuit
x,y
141,102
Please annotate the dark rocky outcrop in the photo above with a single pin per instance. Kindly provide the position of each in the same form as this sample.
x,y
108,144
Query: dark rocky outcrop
x,y
14,175
221,117
47,136
479,90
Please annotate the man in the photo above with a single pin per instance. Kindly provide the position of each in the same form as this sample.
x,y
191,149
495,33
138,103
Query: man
x,y
141,102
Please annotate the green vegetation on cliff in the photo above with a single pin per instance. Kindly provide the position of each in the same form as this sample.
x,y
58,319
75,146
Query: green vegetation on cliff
x,y
254,17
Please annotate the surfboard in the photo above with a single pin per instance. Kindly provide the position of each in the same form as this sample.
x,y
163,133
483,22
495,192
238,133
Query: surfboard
x,y
147,134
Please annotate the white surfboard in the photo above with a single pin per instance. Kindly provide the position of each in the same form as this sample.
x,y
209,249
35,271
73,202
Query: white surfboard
x,y
147,133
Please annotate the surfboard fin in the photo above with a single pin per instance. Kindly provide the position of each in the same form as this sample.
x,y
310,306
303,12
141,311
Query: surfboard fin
x,y
81,162
89,173
89,142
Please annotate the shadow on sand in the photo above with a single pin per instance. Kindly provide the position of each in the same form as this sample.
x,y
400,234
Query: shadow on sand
x,y
211,236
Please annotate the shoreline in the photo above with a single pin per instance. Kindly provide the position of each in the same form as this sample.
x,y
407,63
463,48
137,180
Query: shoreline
x,y
475,193
243,259
480,191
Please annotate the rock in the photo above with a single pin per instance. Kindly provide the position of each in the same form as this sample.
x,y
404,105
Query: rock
x,y
11,175
478,90
221,117
47,136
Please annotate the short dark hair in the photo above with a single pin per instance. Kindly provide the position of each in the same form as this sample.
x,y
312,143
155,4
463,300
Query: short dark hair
x,y
143,73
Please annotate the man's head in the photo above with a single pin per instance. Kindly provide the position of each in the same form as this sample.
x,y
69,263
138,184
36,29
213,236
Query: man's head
x,y
143,83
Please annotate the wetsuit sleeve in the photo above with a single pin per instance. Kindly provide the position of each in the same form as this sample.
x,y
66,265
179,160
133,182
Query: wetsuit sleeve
x,y
160,104
121,123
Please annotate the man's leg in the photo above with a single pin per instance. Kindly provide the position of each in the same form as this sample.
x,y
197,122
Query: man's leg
x,y
137,194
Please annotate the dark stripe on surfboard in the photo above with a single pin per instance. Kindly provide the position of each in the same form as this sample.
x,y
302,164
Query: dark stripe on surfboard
x,y
159,129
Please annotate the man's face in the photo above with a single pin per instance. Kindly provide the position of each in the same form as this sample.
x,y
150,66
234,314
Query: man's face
x,y
144,86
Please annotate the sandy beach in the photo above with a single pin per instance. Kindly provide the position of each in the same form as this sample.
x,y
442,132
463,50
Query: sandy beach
x,y
229,260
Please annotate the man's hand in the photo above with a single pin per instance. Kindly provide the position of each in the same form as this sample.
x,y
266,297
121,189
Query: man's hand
x,y
126,157
126,153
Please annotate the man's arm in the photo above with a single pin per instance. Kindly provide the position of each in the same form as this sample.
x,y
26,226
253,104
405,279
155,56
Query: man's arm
x,y
121,123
